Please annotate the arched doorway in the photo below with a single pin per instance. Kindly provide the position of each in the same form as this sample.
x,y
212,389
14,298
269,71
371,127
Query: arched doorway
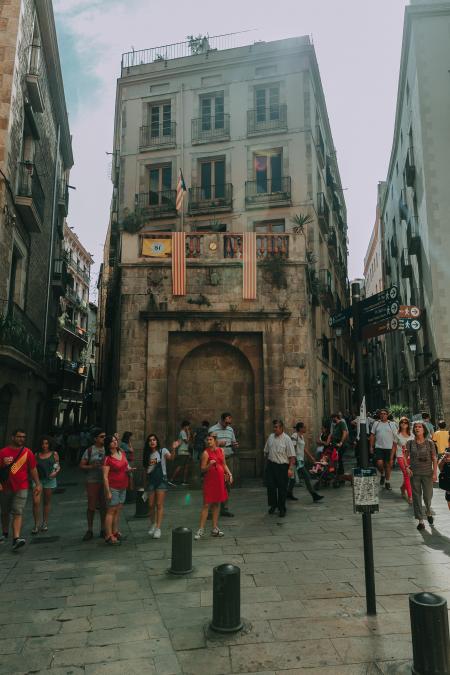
x,y
217,377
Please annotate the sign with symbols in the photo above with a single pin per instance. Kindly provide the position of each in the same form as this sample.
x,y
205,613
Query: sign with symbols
x,y
365,490
397,323
378,307
379,313
408,312
340,319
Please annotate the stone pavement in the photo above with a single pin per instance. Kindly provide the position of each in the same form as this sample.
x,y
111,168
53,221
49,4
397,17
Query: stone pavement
x,y
73,607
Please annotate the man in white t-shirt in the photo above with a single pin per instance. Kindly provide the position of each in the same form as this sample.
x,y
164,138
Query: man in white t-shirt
x,y
382,440
280,456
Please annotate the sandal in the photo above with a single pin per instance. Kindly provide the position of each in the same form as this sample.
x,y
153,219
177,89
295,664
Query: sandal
x,y
112,541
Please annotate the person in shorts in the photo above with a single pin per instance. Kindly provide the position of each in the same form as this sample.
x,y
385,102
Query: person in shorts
x,y
14,486
48,467
184,457
155,460
115,472
91,463
382,445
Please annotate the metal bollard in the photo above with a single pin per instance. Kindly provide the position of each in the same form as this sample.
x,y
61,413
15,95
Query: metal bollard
x,y
141,505
181,551
226,599
429,632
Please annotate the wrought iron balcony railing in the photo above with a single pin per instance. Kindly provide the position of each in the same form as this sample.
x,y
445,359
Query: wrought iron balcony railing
x,y
18,331
160,204
267,119
413,236
323,211
31,196
210,128
155,135
63,196
406,264
211,198
264,191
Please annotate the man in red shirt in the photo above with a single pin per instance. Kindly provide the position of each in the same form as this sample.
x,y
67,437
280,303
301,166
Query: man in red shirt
x,y
14,490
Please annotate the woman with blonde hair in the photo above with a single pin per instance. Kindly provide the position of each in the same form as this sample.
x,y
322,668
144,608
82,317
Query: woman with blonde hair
x,y
422,470
401,438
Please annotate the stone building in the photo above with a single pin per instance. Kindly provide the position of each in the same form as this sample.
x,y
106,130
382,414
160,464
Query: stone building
x,y
416,212
249,128
75,334
35,159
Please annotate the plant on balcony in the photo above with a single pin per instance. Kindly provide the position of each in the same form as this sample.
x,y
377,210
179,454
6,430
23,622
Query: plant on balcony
x,y
276,268
199,300
299,221
198,44
134,221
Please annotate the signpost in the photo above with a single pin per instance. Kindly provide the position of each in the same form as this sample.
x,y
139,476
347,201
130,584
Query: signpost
x,y
340,319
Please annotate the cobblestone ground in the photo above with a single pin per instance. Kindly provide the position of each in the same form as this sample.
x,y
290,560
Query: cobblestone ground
x,y
73,607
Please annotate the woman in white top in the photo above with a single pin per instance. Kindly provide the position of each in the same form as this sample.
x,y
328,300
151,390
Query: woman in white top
x,y
401,438
155,461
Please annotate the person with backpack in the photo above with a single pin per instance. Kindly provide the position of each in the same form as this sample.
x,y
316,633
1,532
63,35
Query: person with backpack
x,y
155,461
91,463
15,462
382,444
48,467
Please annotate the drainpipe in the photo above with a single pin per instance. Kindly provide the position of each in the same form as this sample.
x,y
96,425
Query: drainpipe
x,y
52,236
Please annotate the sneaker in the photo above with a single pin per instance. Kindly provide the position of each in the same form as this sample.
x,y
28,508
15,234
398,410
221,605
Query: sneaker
x,y
317,497
169,482
44,527
382,479
18,543
88,536
387,486
35,530
152,530
421,526
200,533
215,532
157,533
119,536
430,519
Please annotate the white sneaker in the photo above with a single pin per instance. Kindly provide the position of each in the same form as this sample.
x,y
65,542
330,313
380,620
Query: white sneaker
x,y
157,533
215,532
152,530
199,534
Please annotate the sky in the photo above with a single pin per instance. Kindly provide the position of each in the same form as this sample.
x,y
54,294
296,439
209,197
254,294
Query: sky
x,y
358,45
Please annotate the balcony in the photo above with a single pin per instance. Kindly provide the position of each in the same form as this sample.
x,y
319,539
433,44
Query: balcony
x,y
326,289
210,199
75,330
263,192
323,212
157,135
394,247
32,79
413,236
78,269
267,120
332,240
63,197
20,333
74,367
30,197
410,168
406,264
320,147
210,128
59,276
160,204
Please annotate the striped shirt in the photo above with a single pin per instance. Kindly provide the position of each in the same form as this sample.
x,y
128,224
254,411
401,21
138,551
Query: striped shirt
x,y
224,434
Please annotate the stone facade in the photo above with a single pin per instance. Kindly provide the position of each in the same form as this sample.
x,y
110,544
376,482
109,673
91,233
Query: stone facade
x,y
416,212
35,158
194,356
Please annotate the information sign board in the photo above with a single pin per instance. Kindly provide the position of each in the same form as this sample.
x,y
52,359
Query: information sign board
x,y
365,490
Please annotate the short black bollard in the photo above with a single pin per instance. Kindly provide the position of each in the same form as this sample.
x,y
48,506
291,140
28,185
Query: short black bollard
x,y
181,551
141,504
429,632
226,599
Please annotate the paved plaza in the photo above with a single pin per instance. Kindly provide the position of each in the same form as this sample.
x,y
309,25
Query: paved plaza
x,y
73,607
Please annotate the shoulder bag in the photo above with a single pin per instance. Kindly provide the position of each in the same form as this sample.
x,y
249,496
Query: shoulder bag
x,y
5,470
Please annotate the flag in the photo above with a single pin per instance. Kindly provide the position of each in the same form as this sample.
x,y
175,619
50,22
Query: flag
x,y
181,189
249,272
179,263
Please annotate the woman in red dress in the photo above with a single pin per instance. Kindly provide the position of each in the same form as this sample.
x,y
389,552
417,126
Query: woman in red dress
x,y
215,472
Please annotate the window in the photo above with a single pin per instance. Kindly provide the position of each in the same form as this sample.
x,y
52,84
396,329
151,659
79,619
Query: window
x,y
160,120
212,111
160,184
270,226
212,178
268,171
267,103
18,276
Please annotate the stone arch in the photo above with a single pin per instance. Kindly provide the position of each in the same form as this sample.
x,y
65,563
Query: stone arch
x,y
214,377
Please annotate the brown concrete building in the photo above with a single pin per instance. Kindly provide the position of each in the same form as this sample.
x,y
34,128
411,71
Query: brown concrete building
x,y
35,159
249,128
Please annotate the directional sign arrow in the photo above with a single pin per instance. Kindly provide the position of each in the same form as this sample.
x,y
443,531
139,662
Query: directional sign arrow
x,y
385,297
409,312
340,319
378,313
404,324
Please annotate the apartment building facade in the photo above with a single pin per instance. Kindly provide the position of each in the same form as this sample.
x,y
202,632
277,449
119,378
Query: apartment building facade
x,y
416,211
35,160
248,127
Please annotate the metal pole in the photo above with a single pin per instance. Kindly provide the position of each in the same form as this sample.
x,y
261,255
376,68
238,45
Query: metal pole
x,y
371,601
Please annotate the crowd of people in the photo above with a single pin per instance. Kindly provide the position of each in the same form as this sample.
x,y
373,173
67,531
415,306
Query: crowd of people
x,y
109,465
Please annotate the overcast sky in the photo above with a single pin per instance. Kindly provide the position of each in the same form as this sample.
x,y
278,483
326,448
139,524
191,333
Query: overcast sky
x,y
358,47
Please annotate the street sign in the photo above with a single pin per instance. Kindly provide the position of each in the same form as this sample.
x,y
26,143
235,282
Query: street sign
x,y
378,307
383,297
340,319
374,330
408,312
365,490
397,323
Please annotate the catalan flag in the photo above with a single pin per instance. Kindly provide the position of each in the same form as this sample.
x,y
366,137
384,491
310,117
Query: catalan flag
x,y
181,189
179,263
250,268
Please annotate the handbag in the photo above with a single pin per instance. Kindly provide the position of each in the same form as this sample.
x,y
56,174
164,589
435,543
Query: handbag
x,y
5,470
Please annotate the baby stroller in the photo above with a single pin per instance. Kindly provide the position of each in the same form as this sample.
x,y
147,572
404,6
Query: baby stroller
x,y
325,470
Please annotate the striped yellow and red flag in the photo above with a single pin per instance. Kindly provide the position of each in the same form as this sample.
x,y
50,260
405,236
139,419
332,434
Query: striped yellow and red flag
x,y
181,189
249,260
179,263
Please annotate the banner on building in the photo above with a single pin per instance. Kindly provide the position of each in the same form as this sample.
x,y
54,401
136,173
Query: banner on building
x,y
179,263
250,267
157,248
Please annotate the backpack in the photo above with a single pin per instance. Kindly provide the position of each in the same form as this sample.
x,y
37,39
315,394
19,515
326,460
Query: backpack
x,y
444,478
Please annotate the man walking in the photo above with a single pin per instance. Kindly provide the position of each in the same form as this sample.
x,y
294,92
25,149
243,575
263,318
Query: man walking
x,y
91,462
280,455
226,439
382,441
299,443
337,438
15,462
